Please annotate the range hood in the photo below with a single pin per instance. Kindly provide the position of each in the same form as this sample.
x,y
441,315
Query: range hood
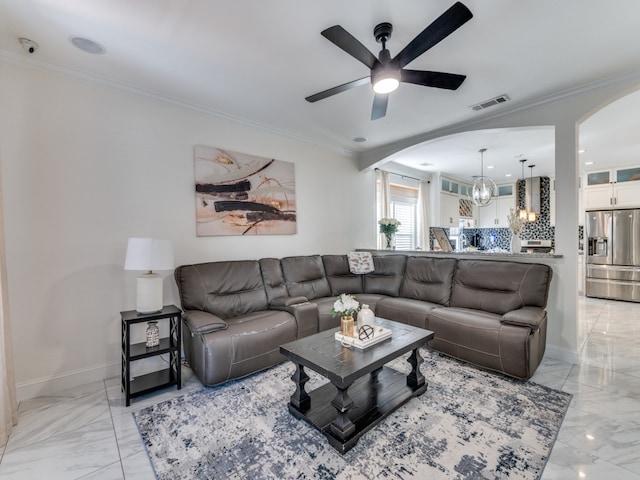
x,y
532,194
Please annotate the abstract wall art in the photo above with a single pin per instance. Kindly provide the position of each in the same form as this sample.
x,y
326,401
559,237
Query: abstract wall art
x,y
240,194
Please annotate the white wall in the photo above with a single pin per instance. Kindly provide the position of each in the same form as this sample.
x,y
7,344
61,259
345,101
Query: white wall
x,y
84,167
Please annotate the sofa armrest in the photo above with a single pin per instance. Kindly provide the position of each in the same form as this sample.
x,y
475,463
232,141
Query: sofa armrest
x,y
530,317
305,313
281,303
200,322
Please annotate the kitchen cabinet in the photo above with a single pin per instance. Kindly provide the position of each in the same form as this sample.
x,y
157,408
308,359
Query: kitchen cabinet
x,y
450,186
495,214
616,188
454,202
449,209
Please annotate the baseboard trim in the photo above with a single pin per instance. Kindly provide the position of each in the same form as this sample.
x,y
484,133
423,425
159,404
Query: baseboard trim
x,y
562,354
54,383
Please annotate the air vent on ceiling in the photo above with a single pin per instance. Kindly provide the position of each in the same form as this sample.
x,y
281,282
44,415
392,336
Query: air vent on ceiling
x,y
490,103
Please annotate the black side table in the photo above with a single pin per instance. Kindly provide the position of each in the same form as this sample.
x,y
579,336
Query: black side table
x,y
134,387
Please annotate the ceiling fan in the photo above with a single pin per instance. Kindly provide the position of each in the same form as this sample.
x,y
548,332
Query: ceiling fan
x,y
386,72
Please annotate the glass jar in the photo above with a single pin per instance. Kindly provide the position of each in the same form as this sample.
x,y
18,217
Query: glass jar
x,y
153,334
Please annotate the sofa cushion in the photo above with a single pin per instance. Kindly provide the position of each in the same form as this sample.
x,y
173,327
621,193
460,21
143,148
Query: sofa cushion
x,y
304,276
499,287
226,289
341,280
273,278
386,279
405,310
370,299
428,279
250,343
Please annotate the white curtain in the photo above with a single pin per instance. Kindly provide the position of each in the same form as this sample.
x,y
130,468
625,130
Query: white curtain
x,y
8,402
384,201
423,215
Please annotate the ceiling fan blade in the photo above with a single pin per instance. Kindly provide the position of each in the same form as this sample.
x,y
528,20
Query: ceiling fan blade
x,y
379,109
347,42
338,89
441,28
450,81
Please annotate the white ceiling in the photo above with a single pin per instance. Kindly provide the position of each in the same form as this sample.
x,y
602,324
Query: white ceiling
x,y
255,62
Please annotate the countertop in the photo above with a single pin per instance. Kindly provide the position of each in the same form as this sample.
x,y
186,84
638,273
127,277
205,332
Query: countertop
x,y
464,254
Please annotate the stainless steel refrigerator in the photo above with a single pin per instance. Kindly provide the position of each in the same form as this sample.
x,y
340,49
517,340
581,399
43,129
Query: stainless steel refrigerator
x,y
613,254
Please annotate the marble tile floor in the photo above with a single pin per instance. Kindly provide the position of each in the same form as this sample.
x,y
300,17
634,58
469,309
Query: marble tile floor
x,y
87,432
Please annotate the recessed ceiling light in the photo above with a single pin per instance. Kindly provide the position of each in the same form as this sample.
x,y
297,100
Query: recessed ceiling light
x,y
508,175
88,46
360,139
489,167
588,163
581,151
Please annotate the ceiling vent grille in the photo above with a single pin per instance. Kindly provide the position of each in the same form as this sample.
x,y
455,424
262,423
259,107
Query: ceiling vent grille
x,y
490,103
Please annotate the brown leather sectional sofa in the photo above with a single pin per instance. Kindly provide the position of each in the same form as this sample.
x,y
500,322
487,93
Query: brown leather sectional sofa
x,y
238,313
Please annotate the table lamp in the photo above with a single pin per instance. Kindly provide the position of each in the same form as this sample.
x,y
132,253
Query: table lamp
x,y
149,254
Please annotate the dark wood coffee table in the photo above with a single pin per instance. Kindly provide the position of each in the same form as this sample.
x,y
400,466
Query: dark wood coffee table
x,y
362,390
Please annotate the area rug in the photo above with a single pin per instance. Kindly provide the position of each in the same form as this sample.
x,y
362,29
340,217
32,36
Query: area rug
x,y
470,424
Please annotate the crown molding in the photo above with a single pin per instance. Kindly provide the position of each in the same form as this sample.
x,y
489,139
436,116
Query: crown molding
x,y
108,82
371,158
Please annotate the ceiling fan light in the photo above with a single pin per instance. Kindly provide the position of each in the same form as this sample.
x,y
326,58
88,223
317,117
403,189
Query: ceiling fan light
x,y
386,81
386,85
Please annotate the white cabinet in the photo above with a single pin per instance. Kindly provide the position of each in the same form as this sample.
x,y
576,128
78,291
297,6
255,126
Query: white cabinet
x,y
495,214
449,209
453,202
627,194
600,196
617,188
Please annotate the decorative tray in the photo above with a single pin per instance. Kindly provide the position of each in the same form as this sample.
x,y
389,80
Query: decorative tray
x,y
379,334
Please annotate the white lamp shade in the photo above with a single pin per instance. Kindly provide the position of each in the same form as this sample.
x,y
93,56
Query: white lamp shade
x,y
149,254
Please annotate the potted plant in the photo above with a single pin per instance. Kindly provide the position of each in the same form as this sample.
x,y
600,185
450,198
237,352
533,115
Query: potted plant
x,y
389,226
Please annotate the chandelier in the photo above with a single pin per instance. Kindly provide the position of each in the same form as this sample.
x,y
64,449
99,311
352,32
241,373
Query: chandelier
x,y
484,189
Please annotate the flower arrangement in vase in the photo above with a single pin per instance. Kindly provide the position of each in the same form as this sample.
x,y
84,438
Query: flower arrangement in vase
x,y
389,226
515,225
346,306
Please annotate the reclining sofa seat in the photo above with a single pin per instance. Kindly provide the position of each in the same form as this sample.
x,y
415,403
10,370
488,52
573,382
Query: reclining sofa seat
x,y
228,329
496,317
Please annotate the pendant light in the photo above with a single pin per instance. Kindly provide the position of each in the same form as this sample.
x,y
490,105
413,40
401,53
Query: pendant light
x,y
484,189
522,210
531,217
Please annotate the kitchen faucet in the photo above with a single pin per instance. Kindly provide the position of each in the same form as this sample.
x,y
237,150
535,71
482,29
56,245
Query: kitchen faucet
x,y
462,241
